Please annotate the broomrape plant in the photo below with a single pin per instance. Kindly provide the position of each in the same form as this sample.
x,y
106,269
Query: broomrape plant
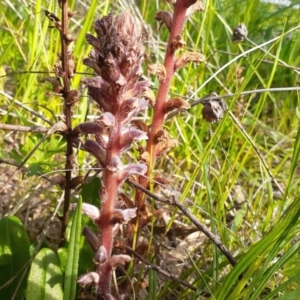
x,y
116,59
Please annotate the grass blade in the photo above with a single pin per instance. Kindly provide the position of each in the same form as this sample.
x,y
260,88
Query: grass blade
x,y
73,254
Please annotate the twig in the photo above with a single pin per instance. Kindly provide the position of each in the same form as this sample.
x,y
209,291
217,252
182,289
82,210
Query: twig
x,y
159,269
11,127
172,201
39,72
65,58
282,62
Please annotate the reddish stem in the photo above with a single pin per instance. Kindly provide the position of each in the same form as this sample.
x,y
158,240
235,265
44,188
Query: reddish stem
x,y
162,95
108,197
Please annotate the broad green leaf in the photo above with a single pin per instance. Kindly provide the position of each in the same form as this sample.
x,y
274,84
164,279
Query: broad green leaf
x,y
73,255
14,255
45,277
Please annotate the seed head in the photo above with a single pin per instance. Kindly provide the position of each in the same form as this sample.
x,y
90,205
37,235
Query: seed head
x,y
239,33
214,108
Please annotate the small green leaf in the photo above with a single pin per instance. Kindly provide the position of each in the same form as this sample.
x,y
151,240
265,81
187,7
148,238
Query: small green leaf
x,y
14,255
34,169
73,254
45,277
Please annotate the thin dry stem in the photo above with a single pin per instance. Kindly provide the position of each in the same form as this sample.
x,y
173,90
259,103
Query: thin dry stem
x,y
160,270
172,201
10,127
67,111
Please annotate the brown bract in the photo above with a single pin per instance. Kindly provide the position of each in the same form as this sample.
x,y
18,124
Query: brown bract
x,y
150,96
91,237
72,97
140,125
55,82
176,103
177,43
76,181
117,53
158,70
188,57
144,158
164,142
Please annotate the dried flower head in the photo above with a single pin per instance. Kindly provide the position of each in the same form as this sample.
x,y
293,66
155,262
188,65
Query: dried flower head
x,y
239,33
214,108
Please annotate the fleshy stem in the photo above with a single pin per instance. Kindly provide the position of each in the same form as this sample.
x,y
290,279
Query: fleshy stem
x,y
67,113
111,184
180,8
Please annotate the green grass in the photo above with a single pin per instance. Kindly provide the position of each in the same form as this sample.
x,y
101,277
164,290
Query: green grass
x,y
212,162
